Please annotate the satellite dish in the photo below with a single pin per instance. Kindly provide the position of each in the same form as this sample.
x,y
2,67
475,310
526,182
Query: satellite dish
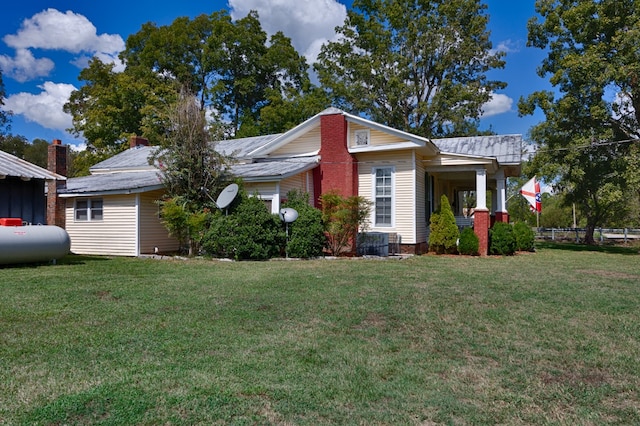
x,y
227,195
288,215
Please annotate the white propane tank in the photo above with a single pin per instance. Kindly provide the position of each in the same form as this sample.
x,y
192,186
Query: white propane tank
x,y
32,243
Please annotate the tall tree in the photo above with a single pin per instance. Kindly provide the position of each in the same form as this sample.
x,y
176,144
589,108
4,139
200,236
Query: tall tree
x,y
112,106
4,116
232,66
417,65
594,64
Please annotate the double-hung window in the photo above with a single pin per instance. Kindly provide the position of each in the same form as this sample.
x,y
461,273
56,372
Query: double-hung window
x,y
383,196
88,209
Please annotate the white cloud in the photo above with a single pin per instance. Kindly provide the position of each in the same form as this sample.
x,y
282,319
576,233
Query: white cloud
x,y
44,108
24,66
54,30
507,46
498,104
308,23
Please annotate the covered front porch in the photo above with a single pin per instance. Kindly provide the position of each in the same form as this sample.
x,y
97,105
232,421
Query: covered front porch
x,y
477,196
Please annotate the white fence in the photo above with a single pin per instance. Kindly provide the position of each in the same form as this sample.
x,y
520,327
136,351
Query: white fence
x,y
578,234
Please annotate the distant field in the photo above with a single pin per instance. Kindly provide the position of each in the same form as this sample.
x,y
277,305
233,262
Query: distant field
x,y
549,337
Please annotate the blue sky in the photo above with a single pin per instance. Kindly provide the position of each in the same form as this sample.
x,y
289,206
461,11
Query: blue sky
x,y
44,45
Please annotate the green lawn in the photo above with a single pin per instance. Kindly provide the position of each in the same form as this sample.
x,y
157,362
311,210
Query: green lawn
x,y
546,338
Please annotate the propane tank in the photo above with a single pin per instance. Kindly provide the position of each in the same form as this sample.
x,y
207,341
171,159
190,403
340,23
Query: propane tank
x,y
32,243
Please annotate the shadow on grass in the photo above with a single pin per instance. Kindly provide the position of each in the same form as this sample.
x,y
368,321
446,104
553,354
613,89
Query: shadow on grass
x,y
611,249
70,259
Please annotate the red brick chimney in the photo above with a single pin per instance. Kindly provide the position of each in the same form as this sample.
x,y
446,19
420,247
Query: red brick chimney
x,y
57,155
135,141
338,169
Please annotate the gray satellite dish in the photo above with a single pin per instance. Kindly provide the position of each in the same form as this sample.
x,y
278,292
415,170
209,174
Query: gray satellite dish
x,y
288,215
227,195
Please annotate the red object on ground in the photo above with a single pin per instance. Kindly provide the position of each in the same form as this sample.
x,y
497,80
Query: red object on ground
x,y
10,221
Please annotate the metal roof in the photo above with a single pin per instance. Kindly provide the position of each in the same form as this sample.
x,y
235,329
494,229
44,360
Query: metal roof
x,y
10,165
240,148
274,169
132,159
507,149
115,183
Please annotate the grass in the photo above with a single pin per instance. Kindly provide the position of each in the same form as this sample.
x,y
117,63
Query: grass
x,y
545,338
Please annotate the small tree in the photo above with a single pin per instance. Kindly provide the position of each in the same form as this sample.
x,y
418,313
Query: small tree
x,y
444,233
192,170
306,234
342,218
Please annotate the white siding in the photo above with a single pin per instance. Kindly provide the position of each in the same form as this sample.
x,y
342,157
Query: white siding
x,y
152,232
421,215
376,136
404,190
305,144
303,183
115,235
269,191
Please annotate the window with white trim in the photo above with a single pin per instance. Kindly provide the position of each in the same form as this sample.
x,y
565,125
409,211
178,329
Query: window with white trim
x,y
88,209
383,196
361,137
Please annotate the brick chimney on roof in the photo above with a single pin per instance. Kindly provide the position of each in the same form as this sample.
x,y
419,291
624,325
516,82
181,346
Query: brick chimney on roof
x,y
57,157
135,141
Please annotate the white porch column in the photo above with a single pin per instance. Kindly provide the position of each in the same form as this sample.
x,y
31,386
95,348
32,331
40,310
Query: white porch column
x,y
501,202
481,189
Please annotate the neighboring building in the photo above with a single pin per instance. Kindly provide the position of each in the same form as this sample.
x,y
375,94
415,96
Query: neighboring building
x,y
114,211
24,188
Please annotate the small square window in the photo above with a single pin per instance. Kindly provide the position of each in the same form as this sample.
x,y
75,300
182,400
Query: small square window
x,y
89,209
361,137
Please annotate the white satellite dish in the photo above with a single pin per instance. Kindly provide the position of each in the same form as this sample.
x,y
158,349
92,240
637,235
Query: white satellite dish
x,y
227,195
288,214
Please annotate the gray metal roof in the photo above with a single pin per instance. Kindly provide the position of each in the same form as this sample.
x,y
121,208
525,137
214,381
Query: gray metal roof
x,y
274,169
507,149
121,182
132,159
10,165
240,148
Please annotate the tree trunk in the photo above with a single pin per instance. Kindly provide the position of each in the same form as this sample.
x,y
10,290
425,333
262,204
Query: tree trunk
x,y
588,237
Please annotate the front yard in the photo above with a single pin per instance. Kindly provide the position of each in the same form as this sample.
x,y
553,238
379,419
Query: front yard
x,y
550,337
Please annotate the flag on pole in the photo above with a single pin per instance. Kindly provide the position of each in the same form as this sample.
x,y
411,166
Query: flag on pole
x,y
531,191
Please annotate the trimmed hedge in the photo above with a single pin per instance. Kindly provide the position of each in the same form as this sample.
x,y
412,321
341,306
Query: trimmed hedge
x,y
525,237
469,242
444,233
502,239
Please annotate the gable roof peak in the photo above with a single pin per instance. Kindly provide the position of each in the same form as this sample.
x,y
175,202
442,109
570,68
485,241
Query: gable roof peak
x,y
332,111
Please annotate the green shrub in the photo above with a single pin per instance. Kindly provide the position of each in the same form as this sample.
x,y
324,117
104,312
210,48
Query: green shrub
x,y
306,234
469,242
444,233
524,236
249,232
502,239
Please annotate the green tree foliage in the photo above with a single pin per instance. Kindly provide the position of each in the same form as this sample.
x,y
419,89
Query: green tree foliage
x,y
524,235
34,152
343,217
306,234
4,116
593,62
444,234
248,232
502,239
469,242
111,106
417,65
233,66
